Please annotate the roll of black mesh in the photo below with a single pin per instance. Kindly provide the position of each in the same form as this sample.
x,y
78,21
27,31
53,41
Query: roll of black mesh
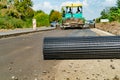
x,y
102,47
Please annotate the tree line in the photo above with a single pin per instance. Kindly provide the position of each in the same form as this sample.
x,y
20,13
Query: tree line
x,y
19,14
111,13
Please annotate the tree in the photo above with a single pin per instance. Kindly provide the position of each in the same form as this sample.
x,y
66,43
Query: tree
x,y
51,12
50,15
42,19
113,14
29,13
3,4
23,6
104,13
118,4
55,16
38,12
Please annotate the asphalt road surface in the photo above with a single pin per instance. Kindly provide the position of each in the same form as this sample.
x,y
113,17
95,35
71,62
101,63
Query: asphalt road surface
x,y
21,57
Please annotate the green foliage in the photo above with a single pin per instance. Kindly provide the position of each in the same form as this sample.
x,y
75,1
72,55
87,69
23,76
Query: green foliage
x,y
38,12
97,20
104,14
113,13
42,19
17,15
13,13
24,7
28,23
29,13
12,23
118,4
55,16
51,12
2,5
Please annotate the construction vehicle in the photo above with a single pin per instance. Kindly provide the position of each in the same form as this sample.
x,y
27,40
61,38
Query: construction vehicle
x,y
72,15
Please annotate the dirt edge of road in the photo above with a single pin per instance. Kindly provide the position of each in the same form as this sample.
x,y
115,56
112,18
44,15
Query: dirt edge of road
x,y
112,27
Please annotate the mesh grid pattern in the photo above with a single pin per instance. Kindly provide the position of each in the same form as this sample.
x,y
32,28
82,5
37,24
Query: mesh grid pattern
x,y
104,47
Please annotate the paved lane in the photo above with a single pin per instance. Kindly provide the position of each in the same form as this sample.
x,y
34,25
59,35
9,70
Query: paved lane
x,y
84,32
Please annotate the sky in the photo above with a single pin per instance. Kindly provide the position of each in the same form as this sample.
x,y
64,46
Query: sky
x,y
91,8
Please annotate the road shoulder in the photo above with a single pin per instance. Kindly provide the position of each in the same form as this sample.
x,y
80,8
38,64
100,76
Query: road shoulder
x,y
11,33
101,33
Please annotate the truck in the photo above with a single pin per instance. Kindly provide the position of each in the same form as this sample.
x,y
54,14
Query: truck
x,y
72,16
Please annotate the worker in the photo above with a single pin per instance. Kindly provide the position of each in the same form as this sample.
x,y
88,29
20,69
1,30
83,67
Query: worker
x,y
63,13
78,10
70,10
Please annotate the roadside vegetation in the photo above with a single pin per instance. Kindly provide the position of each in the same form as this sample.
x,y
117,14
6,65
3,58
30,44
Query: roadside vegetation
x,y
111,13
19,14
42,18
55,16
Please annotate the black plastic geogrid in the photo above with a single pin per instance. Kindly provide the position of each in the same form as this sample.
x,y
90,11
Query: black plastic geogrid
x,y
104,47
